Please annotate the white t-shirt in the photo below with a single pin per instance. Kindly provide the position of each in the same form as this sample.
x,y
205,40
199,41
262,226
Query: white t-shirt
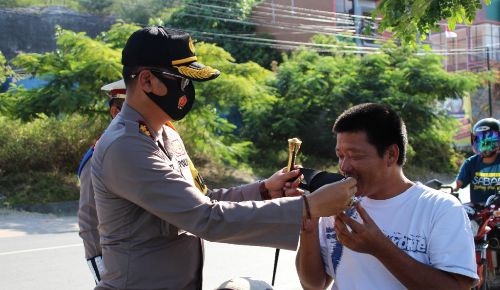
x,y
429,225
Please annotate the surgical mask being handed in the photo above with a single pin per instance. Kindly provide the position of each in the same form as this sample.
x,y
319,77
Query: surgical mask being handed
x,y
179,98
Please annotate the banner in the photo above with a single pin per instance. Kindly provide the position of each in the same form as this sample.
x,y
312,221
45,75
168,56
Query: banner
x,y
460,108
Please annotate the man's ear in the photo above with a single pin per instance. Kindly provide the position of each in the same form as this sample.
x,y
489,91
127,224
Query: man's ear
x,y
144,80
392,154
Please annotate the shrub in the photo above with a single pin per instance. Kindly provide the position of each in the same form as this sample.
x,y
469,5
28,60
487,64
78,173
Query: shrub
x,y
47,144
32,187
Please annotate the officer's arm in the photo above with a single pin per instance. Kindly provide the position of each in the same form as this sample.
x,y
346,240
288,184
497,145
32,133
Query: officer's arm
x,y
87,215
138,172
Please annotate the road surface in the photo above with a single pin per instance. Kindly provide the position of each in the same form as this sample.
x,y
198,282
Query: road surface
x,y
44,252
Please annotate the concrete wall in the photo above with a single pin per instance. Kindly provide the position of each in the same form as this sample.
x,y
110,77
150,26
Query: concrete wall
x,y
32,29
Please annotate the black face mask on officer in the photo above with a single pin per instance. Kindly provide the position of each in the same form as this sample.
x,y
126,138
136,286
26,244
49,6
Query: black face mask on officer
x,y
179,98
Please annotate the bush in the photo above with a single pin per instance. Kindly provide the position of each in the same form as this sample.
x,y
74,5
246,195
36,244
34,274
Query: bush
x,y
313,89
47,144
32,187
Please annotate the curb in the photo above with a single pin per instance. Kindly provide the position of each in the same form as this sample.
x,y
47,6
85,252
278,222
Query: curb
x,y
63,208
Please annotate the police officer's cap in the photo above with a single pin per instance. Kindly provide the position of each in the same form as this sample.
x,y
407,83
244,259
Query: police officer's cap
x,y
166,48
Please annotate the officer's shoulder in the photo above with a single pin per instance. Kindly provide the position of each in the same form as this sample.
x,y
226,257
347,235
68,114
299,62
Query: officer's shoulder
x,y
121,131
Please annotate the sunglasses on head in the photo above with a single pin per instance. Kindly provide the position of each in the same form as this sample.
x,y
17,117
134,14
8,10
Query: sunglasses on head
x,y
166,75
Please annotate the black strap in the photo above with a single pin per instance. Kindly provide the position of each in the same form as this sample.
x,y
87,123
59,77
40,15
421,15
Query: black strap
x,y
276,256
96,269
163,149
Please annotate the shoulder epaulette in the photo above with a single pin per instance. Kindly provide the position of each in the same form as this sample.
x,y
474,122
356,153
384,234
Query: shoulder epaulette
x,y
144,129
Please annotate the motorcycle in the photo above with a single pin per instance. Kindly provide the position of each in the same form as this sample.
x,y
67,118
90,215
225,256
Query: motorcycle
x,y
485,222
485,226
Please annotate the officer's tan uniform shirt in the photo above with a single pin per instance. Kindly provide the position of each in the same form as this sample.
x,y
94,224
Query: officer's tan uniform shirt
x,y
87,216
151,215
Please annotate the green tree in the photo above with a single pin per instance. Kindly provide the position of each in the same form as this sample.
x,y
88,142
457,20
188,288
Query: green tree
x,y
27,3
99,7
118,34
314,89
5,70
408,19
141,11
81,65
74,74
226,106
8,3
213,21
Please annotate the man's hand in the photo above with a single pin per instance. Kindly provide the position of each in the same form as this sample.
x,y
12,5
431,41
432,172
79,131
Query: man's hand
x,y
278,185
362,238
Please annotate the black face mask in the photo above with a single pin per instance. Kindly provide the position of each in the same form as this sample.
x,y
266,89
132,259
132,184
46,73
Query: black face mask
x,y
179,98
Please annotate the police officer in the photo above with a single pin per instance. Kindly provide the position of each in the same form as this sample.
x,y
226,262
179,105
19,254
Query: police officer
x,y
152,215
87,216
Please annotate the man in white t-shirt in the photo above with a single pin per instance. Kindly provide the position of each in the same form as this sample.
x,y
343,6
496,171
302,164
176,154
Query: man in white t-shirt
x,y
401,234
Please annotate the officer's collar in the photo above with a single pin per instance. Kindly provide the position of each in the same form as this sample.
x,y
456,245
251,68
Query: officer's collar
x,y
129,113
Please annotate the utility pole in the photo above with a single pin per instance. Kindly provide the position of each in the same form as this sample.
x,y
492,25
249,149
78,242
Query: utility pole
x,y
490,103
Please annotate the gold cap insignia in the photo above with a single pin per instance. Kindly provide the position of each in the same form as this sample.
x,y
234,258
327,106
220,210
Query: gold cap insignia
x,y
191,45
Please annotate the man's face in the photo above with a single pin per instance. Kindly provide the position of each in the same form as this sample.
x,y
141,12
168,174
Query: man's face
x,y
116,107
359,159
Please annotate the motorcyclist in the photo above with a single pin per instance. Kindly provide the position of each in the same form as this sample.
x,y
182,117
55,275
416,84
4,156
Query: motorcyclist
x,y
482,170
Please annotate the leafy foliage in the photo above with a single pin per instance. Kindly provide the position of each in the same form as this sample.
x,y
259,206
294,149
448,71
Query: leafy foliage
x,y
118,34
141,11
81,65
313,90
200,17
35,187
74,74
237,96
98,7
23,3
47,143
130,10
5,69
407,19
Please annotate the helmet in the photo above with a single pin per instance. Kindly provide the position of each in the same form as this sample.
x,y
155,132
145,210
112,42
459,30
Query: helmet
x,y
485,137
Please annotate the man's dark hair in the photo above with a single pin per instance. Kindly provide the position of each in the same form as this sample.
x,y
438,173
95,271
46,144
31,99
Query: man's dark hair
x,y
382,125
116,102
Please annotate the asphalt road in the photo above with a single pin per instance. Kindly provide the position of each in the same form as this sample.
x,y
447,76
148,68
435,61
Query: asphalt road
x,y
44,252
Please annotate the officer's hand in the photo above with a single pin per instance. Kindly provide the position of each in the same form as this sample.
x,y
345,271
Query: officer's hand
x,y
279,186
333,198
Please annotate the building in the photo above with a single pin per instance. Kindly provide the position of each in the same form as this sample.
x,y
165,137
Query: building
x,y
475,48
299,20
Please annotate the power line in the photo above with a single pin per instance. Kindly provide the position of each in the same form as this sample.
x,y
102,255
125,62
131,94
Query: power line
x,y
305,10
286,14
284,26
288,45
